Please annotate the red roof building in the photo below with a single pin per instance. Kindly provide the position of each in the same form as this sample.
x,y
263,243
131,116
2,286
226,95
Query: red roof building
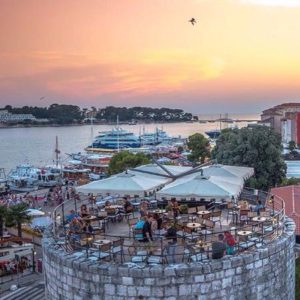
x,y
291,197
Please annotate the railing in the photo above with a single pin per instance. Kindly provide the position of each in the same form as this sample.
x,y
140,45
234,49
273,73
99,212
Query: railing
x,y
194,246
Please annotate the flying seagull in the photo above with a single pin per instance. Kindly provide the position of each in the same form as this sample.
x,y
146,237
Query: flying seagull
x,y
193,21
42,98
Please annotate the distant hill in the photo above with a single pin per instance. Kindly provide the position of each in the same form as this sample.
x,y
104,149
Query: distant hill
x,y
72,114
110,114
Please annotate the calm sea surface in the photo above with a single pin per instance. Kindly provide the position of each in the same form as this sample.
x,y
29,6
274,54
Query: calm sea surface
x,y
36,145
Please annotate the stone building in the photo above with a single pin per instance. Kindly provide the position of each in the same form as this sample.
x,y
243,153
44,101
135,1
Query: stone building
x,y
285,120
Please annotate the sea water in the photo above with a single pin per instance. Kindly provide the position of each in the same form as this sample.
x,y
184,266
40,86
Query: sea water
x,y
36,145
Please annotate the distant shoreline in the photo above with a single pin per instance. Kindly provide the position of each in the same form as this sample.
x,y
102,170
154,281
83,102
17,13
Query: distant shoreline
x,y
2,126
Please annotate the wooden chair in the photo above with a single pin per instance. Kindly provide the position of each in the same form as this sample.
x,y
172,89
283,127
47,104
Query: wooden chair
x,y
190,235
232,212
200,208
209,227
192,211
215,216
251,214
244,215
101,251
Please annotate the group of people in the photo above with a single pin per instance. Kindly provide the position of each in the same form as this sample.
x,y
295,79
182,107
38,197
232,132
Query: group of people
x,y
224,245
56,195
11,199
150,224
13,266
149,227
78,224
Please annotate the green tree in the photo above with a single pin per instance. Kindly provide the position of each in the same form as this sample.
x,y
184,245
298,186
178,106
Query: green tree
x,y
16,215
124,160
258,147
290,181
292,146
3,215
200,147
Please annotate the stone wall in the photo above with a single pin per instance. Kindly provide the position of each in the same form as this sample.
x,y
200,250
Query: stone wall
x,y
266,273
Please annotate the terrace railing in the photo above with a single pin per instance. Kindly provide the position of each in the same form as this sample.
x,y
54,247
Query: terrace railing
x,y
193,246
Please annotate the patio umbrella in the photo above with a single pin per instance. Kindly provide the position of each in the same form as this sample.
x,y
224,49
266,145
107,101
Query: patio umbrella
x,y
124,184
34,212
225,171
199,186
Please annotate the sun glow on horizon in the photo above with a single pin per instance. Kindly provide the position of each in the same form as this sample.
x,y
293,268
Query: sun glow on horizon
x,y
137,51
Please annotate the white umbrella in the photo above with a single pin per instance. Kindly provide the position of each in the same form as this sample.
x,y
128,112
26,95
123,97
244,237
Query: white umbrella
x,y
124,184
34,212
198,186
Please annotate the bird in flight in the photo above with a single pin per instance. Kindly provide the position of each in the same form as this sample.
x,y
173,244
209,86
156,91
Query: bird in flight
x,y
42,98
193,21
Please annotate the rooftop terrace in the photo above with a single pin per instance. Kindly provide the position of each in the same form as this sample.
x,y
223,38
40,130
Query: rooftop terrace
x,y
117,239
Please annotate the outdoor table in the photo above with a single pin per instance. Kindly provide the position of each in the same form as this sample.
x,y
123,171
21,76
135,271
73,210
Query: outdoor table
x,y
101,242
193,225
259,219
87,240
244,232
203,245
203,212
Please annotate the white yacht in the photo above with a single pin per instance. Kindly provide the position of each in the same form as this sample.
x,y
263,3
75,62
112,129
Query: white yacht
x,y
117,138
157,137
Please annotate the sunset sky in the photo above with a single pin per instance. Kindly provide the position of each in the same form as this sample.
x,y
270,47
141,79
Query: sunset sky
x,y
241,55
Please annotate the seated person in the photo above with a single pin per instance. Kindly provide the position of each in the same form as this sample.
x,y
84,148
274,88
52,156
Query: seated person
x,y
229,242
128,208
244,205
175,207
83,211
258,207
87,227
158,220
107,203
147,231
153,223
138,227
73,214
75,229
218,247
143,208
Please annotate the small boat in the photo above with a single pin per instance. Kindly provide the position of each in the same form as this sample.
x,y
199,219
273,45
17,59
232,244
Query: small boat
x,y
132,122
23,178
213,134
50,176
3,182
97,163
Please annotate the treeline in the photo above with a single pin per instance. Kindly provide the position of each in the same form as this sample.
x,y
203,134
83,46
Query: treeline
x,y
138,113
55,113
72,114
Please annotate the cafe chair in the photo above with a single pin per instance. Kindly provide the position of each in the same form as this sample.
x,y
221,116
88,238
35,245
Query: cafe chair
x,y
117,248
